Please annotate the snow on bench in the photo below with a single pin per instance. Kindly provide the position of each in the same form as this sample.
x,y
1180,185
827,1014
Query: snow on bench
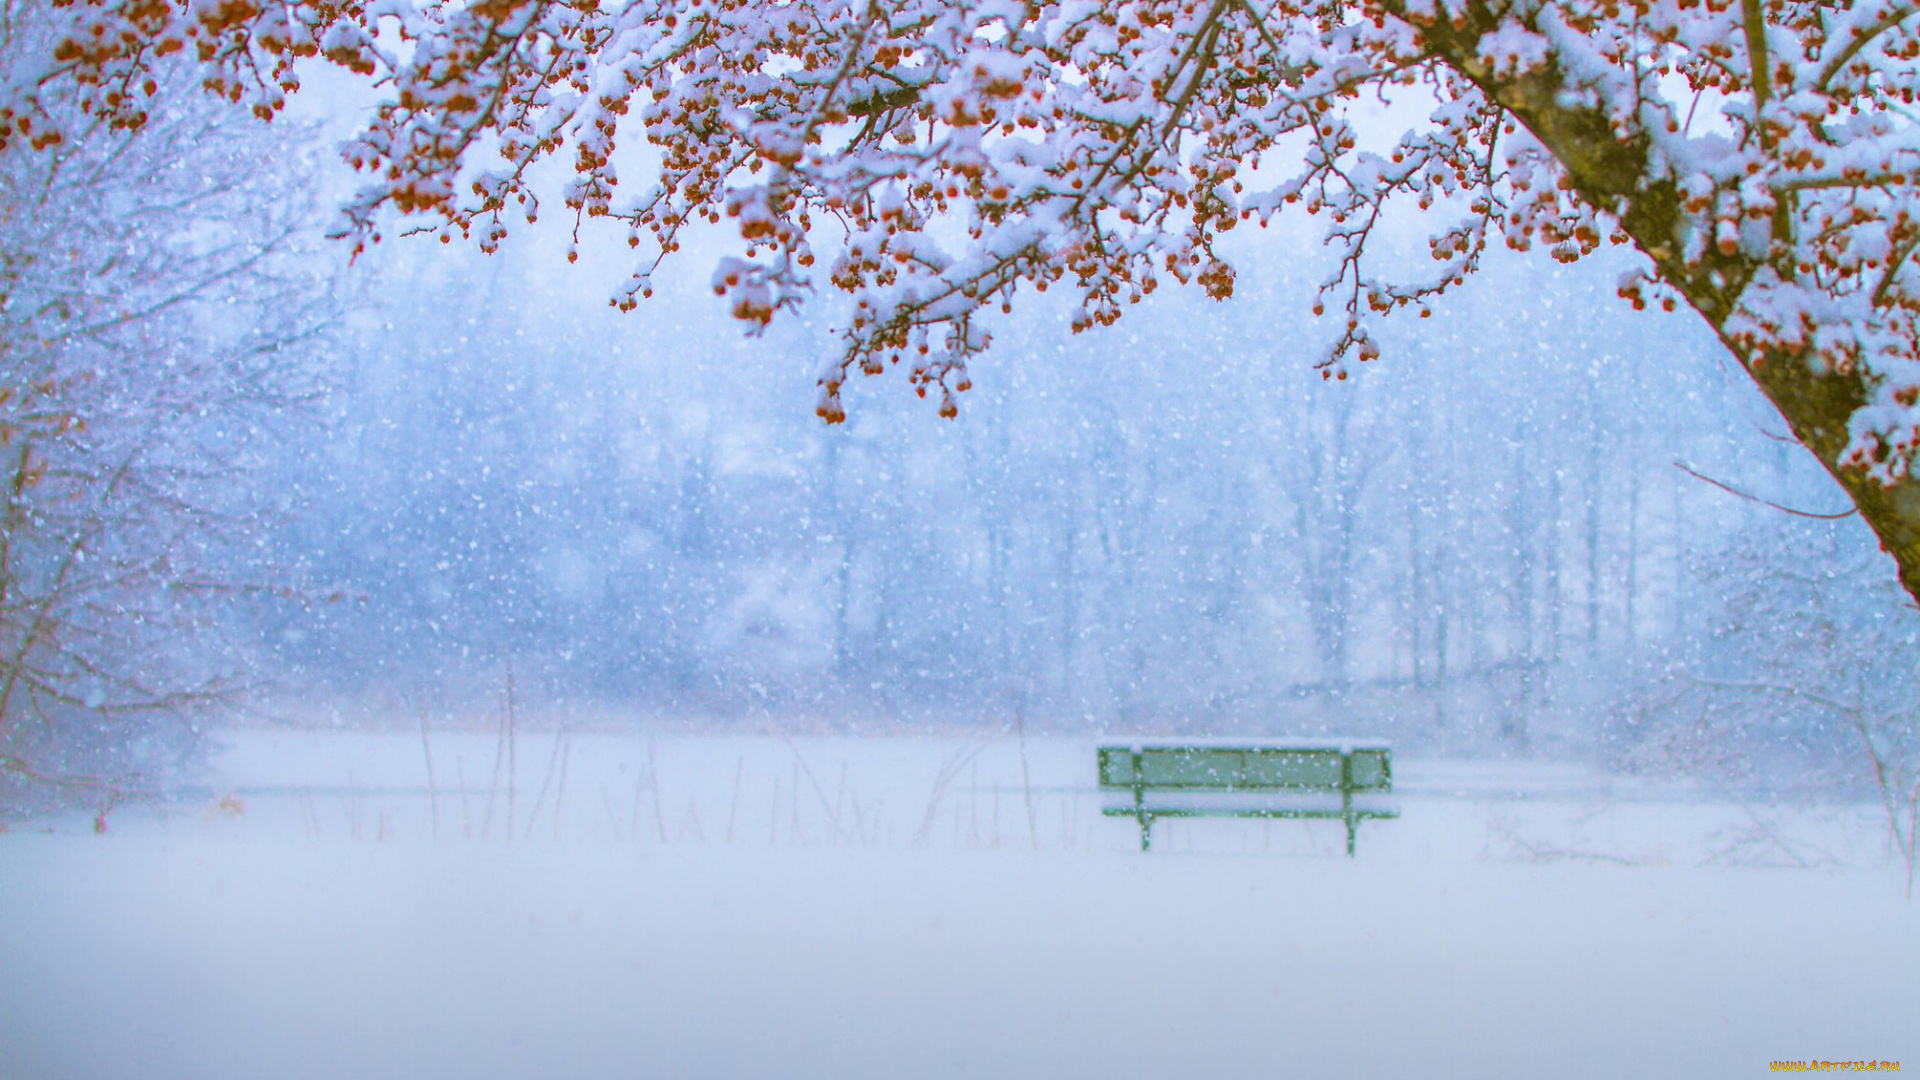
x,y
1265,778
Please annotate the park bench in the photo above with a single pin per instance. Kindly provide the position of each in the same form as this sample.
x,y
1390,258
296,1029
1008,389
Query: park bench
x,y
1263,778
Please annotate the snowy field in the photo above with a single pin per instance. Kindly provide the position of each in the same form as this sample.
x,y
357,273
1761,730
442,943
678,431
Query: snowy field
x,y
330,906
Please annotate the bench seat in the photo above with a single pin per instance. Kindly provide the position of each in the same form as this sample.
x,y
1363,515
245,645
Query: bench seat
x,y
1331,779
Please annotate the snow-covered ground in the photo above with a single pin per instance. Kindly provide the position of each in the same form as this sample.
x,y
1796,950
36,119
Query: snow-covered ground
x,y
675,906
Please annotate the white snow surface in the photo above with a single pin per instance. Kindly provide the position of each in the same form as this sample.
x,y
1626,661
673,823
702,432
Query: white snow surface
x,y
320,911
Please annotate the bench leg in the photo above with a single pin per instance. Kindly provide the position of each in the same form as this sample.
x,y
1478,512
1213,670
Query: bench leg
x,y
1146,831
1346,796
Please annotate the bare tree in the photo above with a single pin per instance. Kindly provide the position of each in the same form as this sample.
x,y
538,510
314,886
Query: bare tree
x,y
1803,669
157,317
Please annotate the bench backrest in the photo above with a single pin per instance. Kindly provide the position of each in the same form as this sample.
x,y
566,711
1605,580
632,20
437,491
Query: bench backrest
x,y
1125,766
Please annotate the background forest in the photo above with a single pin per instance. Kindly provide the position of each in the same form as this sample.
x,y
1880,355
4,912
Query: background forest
x,y
1494,541
343,498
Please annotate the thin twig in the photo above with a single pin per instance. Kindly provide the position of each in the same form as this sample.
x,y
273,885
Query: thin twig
x,y
1026,779
801,766
546,782
1729,489
653,774
512,771
733,809
560,794
433,788
493,790
460,777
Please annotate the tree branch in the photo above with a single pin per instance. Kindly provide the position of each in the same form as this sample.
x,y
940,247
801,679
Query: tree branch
x,y
1844,514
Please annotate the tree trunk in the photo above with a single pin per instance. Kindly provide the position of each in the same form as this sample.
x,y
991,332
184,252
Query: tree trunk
x,y
1612,173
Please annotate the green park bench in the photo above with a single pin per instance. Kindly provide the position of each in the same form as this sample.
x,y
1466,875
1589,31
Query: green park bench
x,y
1262,778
